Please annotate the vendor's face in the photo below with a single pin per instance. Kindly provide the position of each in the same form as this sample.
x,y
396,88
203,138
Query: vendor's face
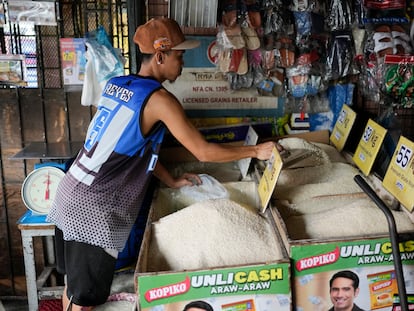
x,y
174,63
342,294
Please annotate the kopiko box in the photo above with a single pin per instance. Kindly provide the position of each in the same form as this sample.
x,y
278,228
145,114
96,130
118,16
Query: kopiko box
x,y
244,288
166,281
372,260
329,224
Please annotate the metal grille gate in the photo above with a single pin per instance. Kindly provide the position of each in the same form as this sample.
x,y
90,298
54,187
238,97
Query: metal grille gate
x,y
40,44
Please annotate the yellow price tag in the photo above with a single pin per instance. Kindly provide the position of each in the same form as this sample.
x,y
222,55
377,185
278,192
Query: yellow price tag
x,y
342,127
268,181
369,146
68,56
399,178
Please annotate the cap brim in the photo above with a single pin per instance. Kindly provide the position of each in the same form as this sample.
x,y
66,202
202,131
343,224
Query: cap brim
x,y
187,45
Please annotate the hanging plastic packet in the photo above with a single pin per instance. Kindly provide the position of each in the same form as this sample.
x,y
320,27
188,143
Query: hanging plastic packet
x,y
340,56
104,62
399,80
340,15
210,188
298,77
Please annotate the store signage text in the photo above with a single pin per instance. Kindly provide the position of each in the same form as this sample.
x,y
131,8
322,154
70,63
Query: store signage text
x,y
220,283
317,261
168,291
227,100
365,254
376,249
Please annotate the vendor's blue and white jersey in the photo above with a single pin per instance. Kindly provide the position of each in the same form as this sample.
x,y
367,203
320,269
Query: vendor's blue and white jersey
x,y
99,198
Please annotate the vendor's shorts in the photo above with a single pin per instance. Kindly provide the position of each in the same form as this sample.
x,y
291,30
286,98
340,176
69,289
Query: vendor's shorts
x,y
89,270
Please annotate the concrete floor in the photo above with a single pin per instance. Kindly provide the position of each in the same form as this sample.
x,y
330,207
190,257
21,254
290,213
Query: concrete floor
x,y
14,305
122,283
21,305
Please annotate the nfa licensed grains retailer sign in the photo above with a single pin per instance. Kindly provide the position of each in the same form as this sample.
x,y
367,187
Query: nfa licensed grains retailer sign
x,y
207,89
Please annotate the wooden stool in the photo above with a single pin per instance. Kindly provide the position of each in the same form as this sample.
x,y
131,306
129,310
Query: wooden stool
x,y
32,226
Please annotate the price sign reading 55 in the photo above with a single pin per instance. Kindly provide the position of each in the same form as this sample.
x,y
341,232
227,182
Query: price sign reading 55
x,y
399,178
403,156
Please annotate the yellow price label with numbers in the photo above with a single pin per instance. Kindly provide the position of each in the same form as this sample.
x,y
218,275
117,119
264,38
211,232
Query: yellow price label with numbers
x,y
68,56
270,176
399,178
342,128
369,146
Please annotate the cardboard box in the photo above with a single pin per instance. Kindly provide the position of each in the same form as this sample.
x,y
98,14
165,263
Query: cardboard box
x,y
256,286
314,261
308,267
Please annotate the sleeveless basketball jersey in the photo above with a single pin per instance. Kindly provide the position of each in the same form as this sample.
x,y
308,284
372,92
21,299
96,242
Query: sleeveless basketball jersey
x,y
99,198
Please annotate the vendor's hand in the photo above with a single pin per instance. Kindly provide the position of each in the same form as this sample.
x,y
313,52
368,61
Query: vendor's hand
x,y
187,179
264,151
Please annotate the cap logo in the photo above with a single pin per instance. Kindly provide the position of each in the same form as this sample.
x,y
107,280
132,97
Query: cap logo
x,y
162,44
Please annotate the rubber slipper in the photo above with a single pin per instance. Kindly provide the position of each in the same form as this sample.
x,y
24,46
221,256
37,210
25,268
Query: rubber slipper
x,y
243,64
269,60
251,38
236,57
401,40
286,52
224,59
254,57
383,41
234,34
253,14
229,16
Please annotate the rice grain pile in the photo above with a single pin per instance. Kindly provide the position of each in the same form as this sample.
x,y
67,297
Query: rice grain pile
x,y
212,233
324,201
318,155
342,218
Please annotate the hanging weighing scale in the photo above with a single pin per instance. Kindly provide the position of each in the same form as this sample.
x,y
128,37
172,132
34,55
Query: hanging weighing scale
x,y
39,188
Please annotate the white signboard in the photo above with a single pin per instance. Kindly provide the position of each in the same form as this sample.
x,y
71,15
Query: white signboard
x,y
207,89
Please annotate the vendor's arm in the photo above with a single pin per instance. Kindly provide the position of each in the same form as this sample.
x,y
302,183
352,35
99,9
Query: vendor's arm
x,y
165,107
187,179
